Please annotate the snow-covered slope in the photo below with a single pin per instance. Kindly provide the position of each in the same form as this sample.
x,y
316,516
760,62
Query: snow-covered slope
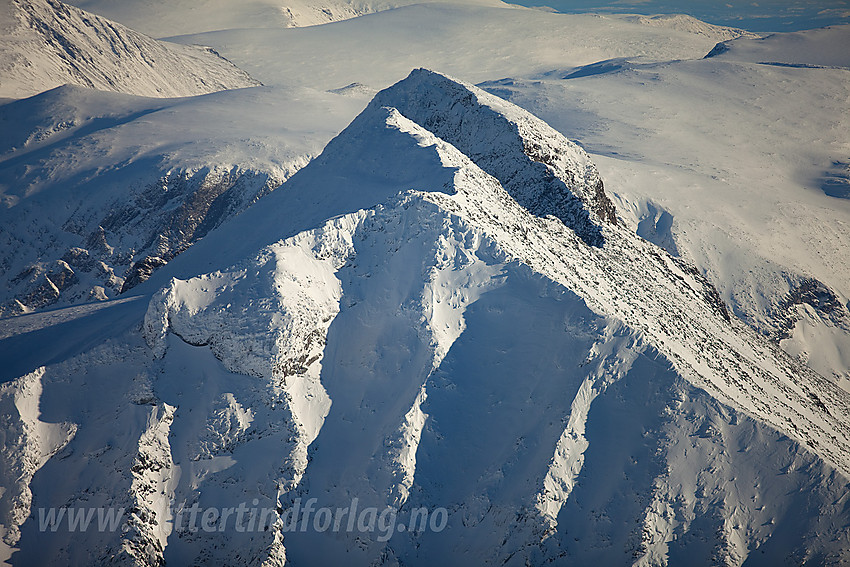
x,y
45,44
683,22
101,188
472,41
441,311
824,47
737,165
79,164
165,18
695,136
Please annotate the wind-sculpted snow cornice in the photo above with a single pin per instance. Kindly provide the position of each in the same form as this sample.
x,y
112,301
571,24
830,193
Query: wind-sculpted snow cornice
x,y
546,173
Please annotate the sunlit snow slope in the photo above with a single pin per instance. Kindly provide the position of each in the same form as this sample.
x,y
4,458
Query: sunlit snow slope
x,y
45,44
443,309
824,47
739,162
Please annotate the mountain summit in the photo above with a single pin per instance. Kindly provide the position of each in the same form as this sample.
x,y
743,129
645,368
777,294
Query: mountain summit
x,y
439,312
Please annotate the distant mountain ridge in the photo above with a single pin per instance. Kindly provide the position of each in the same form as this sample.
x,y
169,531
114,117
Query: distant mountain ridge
x,y
166,18
823,47
686,23
45,44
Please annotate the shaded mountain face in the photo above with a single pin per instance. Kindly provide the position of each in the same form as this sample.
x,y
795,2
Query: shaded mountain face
x,y
97,189
128,225
441,312
91,204
45,44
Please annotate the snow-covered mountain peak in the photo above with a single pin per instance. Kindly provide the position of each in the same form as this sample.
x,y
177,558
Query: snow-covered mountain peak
x,y
433,139
433,125
46,43
418,322
436,313
542,170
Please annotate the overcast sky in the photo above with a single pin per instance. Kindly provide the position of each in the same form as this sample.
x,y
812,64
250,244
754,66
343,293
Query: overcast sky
x,y
756,15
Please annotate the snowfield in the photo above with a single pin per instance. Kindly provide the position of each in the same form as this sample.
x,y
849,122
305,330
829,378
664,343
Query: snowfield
x,y
164,18
370,285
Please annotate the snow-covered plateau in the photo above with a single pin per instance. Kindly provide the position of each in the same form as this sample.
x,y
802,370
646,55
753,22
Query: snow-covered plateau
x,y
234,311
